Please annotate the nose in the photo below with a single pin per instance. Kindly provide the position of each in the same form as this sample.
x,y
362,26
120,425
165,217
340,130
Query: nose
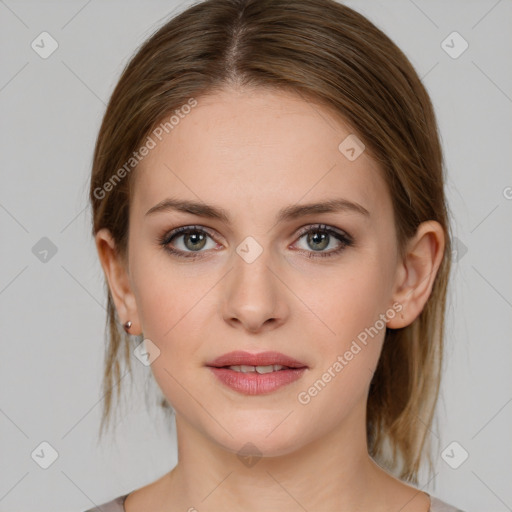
x,y
253,297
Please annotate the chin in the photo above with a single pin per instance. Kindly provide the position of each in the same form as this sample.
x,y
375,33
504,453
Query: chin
x,y
251,442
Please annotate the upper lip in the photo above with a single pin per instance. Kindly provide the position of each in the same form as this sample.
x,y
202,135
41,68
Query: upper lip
x,y
239,357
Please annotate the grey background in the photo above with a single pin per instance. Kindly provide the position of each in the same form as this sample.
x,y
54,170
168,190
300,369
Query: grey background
x,y
52,313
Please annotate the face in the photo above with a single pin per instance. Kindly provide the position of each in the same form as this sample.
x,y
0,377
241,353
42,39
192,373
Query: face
x,y
311,286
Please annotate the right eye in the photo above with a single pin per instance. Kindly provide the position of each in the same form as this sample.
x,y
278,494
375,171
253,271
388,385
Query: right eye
x,y
189,239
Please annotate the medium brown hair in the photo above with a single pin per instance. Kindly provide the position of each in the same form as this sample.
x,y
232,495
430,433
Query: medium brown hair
x,y
329,54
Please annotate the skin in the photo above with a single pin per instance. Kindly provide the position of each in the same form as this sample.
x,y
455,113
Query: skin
x,y
253,152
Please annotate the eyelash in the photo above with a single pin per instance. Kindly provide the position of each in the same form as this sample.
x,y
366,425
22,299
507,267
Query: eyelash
x,y
167,238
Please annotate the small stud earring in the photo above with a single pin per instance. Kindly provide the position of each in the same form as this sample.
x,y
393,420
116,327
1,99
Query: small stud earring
x,y
127,326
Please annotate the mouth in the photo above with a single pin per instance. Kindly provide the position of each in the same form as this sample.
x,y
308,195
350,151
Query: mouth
x,y
256,374
256,369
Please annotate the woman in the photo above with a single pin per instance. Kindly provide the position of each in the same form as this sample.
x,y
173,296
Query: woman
x,y
268,208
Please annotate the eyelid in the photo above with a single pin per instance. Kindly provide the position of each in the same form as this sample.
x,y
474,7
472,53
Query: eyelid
x,y
322,227
180,230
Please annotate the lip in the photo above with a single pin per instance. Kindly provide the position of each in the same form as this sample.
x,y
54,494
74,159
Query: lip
x,y
239,357
255,383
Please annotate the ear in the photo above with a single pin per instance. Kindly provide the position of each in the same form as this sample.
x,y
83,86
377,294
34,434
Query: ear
x,y
116,272
416,272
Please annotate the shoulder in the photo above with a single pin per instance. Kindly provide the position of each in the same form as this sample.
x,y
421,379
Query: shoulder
x,y
437,505
116,505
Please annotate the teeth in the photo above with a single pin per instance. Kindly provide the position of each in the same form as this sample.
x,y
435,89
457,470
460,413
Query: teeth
x,y
259,369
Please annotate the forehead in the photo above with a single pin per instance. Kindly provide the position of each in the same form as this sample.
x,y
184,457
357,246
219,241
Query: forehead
x,y
245,148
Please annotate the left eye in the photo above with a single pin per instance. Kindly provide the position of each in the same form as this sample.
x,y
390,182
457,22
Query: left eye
x,y
319,238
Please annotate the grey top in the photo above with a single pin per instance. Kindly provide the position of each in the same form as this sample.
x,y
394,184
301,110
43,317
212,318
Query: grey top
x,y
116,505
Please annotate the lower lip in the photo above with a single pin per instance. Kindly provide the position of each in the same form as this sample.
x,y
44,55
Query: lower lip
x,y
257,383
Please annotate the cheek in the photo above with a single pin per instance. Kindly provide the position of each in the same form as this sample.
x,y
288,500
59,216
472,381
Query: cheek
x,y
173,309
176,305
346,360
346,302
166,311
165,293
352,333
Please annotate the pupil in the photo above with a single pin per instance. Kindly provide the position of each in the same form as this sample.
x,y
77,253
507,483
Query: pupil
x,y
319,238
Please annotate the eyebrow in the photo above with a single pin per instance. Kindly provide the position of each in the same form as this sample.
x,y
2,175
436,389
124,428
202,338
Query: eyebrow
x,y
285,214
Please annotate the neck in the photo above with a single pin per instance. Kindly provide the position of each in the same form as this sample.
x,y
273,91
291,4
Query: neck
x,y
334,472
